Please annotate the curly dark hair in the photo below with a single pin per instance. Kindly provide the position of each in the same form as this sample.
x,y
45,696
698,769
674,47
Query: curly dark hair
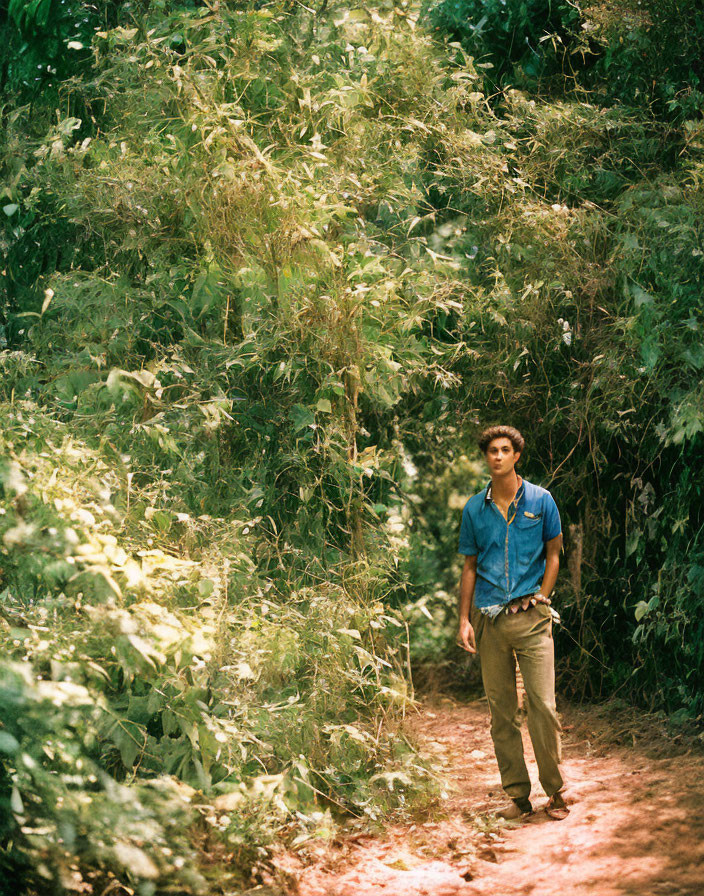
x,y
501,432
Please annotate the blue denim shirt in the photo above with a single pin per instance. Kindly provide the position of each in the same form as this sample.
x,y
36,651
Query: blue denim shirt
x,y
510,552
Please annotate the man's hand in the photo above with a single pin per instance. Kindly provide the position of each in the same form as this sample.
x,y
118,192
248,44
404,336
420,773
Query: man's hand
x,y
466,636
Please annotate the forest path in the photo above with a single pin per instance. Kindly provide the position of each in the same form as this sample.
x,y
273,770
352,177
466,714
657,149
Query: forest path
x,y
636,825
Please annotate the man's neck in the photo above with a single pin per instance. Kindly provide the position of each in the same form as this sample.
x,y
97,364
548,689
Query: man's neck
x,y
505,487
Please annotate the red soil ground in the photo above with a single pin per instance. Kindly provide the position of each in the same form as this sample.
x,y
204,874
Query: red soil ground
x,y
636,825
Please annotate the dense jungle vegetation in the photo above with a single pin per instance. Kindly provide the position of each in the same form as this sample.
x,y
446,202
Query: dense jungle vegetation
x,y
266,269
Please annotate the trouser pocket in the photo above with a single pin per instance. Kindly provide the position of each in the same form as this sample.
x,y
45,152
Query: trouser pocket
x,y
479,621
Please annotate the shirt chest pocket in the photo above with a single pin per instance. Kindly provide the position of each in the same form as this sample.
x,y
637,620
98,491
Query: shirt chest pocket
x,y
529,523
529,535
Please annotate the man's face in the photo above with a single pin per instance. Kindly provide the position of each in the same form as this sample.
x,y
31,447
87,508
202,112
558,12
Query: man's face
x,y
501,457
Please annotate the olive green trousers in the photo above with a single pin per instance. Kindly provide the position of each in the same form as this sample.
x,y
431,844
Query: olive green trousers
x,y
528,634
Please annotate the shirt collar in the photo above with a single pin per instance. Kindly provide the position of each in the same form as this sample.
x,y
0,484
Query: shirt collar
x,y
517,498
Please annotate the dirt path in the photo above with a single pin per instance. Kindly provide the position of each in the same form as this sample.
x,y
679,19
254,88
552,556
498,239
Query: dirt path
x,y
636,826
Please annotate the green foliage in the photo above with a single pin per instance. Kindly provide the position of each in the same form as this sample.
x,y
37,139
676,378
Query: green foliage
x,y
648,53
58,804
642,53
215,309
149,693
522,37
46,41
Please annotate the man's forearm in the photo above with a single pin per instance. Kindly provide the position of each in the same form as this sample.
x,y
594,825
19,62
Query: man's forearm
x,y
552,566
467,583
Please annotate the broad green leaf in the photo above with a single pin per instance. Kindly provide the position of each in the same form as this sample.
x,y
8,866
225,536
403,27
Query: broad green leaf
x,y
302,417
641,609
8,743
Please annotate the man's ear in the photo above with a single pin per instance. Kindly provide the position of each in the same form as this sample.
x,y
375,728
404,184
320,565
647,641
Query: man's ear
x,y
518,457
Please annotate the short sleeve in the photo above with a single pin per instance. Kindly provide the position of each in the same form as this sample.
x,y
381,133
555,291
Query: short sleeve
x,y
551,518
468,545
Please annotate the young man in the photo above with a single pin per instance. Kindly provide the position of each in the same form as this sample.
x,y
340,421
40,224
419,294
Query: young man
x,y
511,538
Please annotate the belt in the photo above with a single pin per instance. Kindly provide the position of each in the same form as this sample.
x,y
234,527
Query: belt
x,y
518,604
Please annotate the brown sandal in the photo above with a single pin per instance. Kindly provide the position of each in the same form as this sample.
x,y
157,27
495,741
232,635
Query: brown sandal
x,y
556,807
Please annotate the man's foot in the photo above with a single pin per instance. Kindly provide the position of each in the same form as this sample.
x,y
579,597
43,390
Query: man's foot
x,y
556,807
516,809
